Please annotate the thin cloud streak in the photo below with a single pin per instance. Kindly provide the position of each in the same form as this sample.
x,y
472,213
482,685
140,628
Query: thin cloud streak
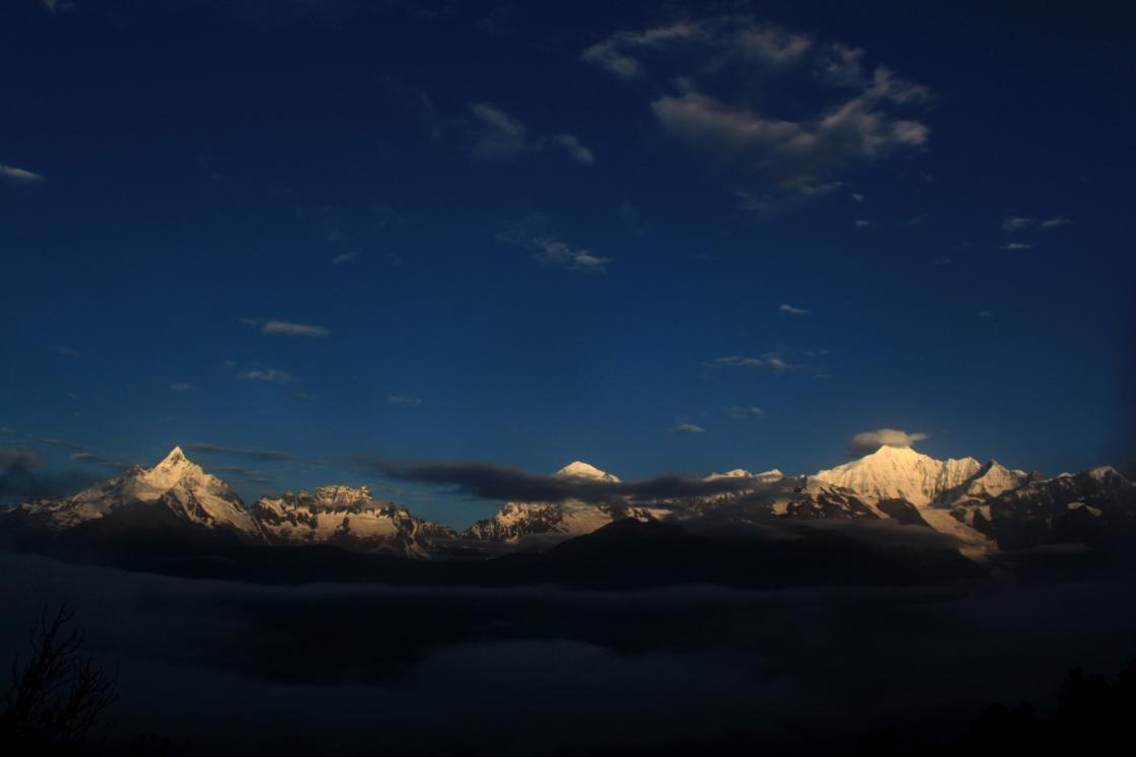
x,y
266,455
20,175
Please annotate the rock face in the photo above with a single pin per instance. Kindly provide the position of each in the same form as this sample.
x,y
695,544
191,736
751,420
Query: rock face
x,y
176,485
347,517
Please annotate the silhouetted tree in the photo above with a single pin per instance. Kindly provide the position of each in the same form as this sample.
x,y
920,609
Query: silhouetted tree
x,y
58,695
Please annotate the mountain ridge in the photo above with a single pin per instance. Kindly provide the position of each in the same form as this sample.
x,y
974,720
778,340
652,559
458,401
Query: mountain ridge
x,y
982,507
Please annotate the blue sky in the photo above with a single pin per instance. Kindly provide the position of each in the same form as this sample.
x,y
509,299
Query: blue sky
x,y
657,238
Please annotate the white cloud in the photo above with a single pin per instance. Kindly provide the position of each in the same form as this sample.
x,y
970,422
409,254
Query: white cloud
x,y
869,441
1018,223
19,175
403,399
687,428
345,257
1053,223
790,310
857,197
862,224
269,375
1017,246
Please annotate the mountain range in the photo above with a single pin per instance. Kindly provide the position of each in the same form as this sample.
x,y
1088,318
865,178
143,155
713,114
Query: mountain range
x,y
979,508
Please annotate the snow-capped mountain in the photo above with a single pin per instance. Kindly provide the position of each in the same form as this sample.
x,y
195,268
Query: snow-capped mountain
x,y
176,485
983,507
348,517
554,521
900,473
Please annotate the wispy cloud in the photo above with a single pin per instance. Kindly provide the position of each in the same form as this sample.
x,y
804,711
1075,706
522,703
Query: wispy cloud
x,y
287,328
1017,246
769,360
19,175
66,351
268,375
265,455
687,428
500,135
574,147
790,310
862,224
58,6
94,458
181,386
1022,223
743,412
403,399
248,474
551,251
870,441
720,79
345,257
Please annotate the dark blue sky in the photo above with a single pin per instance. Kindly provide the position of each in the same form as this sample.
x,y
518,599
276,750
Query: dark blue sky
x,y
528,234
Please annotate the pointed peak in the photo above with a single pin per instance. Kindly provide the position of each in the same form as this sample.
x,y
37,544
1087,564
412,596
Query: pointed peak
x,y
580,469
174,457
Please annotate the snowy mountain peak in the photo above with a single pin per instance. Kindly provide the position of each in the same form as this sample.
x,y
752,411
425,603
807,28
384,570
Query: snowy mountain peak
x,y
1106,472
900,473
735,473
176,484
174,456
580,469
174,467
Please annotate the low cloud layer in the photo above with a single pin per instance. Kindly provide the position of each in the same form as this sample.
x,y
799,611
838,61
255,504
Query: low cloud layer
x,y
23,477
870,441
496,482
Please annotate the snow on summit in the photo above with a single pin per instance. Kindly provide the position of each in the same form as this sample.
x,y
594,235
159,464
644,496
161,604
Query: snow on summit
x,y
176,483
900,473
580,469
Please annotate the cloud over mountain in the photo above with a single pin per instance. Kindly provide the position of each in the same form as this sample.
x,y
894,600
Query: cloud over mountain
x,y
869,441
497,482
